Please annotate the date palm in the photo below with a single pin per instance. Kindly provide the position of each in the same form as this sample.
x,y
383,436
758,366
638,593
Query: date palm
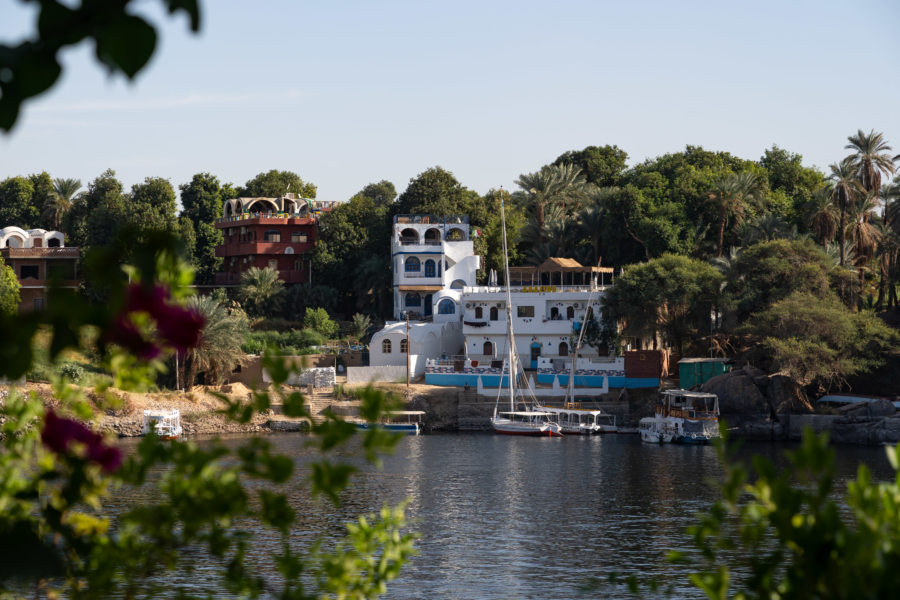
x,y
871,158
64,192
219,350
845,190
554,184
261,291
730,198
822,215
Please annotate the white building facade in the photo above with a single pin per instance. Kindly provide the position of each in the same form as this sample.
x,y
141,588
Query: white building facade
x,y
433,261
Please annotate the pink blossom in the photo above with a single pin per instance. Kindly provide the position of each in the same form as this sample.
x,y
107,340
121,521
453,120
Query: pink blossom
x,y
59,433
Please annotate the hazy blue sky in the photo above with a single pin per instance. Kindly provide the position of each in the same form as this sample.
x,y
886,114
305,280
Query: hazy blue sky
x,y
347,93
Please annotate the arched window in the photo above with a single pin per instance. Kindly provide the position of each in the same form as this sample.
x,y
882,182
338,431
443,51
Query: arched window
x,y
386,346
446,307
478,312
458,284
570,313
493,313
563,349
413,300
455,235
412,265
488,349
554,313
409,236
403,346
429,268
53,243
433,236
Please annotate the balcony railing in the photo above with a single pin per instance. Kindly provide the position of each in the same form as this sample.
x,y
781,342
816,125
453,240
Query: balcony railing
x,y
252,248
40,252
265,218
432,219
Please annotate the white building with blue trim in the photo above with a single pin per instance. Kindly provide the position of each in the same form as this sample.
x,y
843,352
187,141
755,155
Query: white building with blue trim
x,y
433,259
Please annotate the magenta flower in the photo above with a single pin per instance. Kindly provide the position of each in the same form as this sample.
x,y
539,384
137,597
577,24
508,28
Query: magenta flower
x,y
59,433
178,327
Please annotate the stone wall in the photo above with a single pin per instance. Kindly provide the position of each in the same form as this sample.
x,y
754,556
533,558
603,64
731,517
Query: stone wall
x,y
363,375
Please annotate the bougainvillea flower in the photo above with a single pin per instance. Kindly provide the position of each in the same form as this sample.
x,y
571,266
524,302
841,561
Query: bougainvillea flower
x,y
59,433
126,334
177,327
180,327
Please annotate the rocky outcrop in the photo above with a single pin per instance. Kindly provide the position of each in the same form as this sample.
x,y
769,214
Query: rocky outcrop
x,y
757,405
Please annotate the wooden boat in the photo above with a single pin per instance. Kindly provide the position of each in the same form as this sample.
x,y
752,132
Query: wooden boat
x,y
682,417
166,423
405,421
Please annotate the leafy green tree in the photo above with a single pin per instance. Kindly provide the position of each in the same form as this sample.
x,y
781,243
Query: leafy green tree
x,y
437,192
791,534
317,319
56,209
274,183
202,200
124,44
261,291
42,196
770,271
16,207
300,297
218,351
601,165
151,205
9,290
817,340
787,175
381,193
668,297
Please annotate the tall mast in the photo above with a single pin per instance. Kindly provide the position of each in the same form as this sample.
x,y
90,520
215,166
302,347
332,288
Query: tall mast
x,y
513,368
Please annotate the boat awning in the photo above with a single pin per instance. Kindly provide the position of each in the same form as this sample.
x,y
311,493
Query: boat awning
x,y
420,288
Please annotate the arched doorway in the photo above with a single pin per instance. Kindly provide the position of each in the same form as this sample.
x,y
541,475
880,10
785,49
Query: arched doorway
x,y
488,349
563,349
428,308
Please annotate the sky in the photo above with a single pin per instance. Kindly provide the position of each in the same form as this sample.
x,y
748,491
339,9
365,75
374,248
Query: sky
x,y
349,93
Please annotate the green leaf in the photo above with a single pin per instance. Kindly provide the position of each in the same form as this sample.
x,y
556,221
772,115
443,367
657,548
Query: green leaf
x,y
126,44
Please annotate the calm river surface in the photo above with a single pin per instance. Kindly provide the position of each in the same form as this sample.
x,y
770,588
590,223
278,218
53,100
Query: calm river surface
x,y
508,517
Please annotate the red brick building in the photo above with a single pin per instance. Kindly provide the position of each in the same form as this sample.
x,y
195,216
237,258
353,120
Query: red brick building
x,y
38,257
268,232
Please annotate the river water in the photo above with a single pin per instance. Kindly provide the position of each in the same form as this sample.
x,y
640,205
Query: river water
x,y
510,517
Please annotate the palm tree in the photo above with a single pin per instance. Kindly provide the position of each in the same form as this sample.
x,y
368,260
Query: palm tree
x,y
554,184
864,234
592,218
730,197
871,158
64,192
261,291
359,326
844,192
219,350
766,227
889,247
822,214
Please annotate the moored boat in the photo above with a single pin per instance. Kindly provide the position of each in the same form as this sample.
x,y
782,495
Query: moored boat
x,y
166,423
581,421
405,421
682,417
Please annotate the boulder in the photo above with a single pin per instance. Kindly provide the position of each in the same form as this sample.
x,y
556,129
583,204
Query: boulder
x,y
738,394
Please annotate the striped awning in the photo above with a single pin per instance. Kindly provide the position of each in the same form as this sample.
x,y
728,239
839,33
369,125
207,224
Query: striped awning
x,y
420,288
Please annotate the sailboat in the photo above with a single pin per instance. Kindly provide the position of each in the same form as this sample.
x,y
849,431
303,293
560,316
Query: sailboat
x,y
571,416
512,422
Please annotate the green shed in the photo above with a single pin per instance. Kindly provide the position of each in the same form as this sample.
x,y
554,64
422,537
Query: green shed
x,y
696,371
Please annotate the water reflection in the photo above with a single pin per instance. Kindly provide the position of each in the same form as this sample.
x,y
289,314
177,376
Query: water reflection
x,y
508,517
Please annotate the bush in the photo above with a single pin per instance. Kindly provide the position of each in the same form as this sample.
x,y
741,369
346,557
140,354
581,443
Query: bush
x,y
72,371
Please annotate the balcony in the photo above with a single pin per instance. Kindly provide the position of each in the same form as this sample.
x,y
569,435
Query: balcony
x,y
40,253
265,219
254,248
291,277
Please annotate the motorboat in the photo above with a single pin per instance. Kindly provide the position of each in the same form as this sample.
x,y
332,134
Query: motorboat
x,y
405,421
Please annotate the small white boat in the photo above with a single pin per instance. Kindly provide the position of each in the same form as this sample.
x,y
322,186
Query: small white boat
x,y
581,421
656,430
406,421
164,423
